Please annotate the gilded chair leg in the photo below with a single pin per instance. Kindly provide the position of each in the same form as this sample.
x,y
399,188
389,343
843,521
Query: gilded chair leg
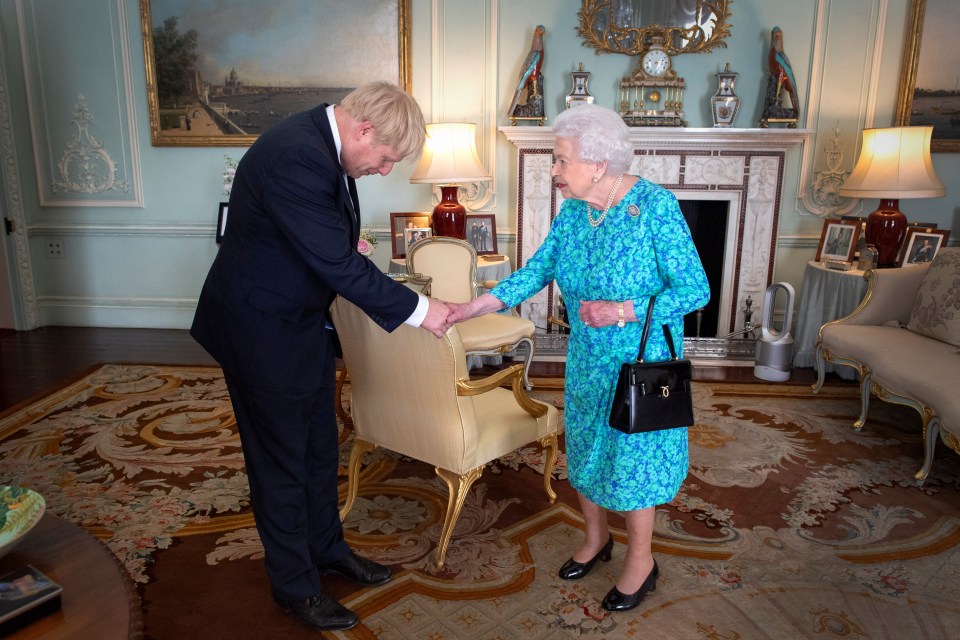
x,y
931,432
458,486
527,362
866,387
338,399
360,448
821,369
549,443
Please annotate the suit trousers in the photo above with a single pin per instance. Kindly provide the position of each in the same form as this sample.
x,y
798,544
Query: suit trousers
x,y
290,446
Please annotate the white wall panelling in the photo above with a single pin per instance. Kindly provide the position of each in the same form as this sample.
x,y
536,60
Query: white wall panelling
x,y
844,75
80,102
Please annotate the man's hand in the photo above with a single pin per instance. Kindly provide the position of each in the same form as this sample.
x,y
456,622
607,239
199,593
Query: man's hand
x,y
436,320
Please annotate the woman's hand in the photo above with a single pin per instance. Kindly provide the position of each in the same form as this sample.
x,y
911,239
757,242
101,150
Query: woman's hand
x,y
605,313
480,305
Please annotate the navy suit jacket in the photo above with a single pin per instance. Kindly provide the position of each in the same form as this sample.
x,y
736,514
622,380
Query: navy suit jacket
x,y
289,248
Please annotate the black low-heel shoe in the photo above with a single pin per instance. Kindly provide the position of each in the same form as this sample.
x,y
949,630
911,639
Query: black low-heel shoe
x,y
616,601
573,570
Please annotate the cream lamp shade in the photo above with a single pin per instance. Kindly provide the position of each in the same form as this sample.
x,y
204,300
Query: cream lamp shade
x,y
449,158
894,163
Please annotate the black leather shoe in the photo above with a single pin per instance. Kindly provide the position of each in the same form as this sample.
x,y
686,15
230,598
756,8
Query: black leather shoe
x,y
359,569
616,601
573,570
320,611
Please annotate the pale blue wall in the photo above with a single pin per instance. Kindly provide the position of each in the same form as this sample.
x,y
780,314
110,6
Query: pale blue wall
x,y
132,265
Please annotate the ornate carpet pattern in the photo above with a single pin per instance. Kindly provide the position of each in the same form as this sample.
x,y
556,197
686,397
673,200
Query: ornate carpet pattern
x,y
790,524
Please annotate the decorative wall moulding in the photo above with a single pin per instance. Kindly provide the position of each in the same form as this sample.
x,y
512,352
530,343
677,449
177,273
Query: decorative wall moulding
x,y
80,102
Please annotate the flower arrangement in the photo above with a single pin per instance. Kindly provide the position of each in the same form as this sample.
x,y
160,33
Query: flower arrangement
x,y
367,243
228,174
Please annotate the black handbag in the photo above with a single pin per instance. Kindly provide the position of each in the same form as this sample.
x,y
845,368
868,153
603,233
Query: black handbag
x,y
653,395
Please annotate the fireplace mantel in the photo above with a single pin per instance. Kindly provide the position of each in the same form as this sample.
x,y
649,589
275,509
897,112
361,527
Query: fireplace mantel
x,y
676,137
742,166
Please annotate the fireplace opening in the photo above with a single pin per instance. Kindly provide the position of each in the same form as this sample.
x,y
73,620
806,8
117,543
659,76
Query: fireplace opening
x,y
707,220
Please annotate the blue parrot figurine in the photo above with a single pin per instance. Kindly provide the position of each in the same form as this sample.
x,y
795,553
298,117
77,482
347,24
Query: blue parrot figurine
x,y
530,72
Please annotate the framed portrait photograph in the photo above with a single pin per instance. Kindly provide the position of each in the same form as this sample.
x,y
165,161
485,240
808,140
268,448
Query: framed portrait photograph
x,y
399,223
929,89
482,232
221,221
921,245
415,235
838,240
221,72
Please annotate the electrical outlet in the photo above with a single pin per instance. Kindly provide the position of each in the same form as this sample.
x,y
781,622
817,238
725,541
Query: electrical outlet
x,y
55,248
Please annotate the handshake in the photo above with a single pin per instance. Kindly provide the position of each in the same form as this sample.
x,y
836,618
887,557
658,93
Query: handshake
x,y
442,315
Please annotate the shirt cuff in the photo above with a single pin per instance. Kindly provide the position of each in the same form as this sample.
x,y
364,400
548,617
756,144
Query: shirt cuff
x,y
418,315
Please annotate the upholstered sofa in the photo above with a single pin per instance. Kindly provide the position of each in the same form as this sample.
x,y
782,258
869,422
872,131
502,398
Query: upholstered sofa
x,y
904,339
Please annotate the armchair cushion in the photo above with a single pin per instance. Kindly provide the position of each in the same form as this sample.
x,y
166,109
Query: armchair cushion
x,y
936,307
481,332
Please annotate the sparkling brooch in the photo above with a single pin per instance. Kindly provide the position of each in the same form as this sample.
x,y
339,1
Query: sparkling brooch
x,y
633,210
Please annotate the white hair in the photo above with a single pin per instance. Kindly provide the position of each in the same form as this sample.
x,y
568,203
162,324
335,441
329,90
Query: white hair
x,y
600,133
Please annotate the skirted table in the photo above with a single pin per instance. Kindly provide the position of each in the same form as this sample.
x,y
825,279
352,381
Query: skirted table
x,y
825,295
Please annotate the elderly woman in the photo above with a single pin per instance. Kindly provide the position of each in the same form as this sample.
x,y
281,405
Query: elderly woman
x,y
617,240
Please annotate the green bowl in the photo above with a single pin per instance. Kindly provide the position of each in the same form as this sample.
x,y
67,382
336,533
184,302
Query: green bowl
x,y
20,510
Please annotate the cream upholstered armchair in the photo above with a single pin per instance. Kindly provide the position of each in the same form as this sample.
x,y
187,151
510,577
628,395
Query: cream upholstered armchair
x,y
452,266
410,392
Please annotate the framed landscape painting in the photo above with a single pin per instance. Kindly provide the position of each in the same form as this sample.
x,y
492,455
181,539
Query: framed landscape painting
x,y
929,77
221,72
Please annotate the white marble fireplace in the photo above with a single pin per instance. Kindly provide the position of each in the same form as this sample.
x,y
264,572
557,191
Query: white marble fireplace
x,y
743,167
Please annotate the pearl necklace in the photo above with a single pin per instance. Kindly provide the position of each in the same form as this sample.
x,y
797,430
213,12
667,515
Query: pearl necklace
x,y
610,199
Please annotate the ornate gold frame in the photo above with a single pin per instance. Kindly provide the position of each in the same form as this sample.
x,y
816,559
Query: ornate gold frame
x,y
239,140
590,9
908,75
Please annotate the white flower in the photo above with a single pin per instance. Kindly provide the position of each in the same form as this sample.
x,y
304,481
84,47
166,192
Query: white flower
x,y
228,174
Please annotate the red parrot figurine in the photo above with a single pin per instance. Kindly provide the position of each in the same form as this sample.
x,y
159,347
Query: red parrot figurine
x,y
780,67
530,72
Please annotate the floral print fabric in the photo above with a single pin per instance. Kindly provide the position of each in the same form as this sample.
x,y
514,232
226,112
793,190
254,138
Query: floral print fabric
x,y
642,248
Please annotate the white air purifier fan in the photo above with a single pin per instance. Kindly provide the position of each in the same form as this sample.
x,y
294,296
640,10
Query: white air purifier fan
x,y
774,355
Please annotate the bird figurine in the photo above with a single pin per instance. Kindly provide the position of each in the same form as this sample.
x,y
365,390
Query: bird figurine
x,y
530,72
781,69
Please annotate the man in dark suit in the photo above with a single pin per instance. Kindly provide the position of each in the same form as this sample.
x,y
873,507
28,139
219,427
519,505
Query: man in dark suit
x,y
289,249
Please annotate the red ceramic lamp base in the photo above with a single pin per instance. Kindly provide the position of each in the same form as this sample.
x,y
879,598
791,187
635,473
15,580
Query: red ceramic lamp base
x,y
886,228
449,217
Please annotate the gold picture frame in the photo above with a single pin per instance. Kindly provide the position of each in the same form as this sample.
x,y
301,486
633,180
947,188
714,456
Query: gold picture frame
x,y
938,106
188,109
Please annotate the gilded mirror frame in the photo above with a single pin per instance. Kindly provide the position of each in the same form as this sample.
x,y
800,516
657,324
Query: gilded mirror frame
x,y
164,137
906,116
621,37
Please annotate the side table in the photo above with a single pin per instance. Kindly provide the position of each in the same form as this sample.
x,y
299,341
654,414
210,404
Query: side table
x,y
825,295
99,599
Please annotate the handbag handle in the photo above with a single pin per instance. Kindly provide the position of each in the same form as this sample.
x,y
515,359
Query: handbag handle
x,y
646,332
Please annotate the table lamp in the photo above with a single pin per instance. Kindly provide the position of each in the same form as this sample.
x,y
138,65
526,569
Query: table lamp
x,y
894,163
449,159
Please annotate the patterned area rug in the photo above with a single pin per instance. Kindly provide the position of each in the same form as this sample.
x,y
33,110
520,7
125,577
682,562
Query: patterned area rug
x,y
789,525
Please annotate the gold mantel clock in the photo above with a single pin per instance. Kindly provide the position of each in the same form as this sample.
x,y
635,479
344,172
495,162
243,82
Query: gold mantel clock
x,y
652,95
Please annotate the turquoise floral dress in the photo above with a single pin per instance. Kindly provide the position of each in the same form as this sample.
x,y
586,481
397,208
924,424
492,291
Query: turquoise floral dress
x,y
642,248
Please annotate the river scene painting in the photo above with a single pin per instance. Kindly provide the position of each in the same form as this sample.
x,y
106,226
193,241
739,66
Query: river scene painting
x,y
225,71
930,78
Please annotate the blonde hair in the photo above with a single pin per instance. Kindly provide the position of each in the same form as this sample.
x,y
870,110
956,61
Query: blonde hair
x,y
396,117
